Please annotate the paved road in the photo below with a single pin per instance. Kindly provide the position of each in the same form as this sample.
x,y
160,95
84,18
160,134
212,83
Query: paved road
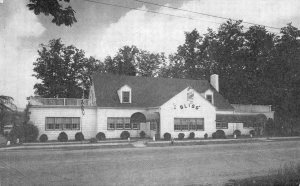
x,y
188,165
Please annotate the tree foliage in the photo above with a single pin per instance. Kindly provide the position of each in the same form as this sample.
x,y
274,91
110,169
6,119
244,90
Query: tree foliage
x,y
63,71
55,8
7,107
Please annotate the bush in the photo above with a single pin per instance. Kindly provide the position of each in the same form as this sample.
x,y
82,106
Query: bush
x,y
79,136
237,133
125,135
219,134
167,136
16,132
142,134
31,132
93,140
192,135
180,136
100,136
252,132
43,138
205,136
62,137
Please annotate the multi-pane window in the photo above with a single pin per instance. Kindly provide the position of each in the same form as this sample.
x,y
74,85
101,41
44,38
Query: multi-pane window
x,y
188,124
221,125
116,123
135,126
209,98
126,96
62,123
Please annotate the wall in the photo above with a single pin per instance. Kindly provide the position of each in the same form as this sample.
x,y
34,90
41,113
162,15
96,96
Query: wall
x,y
237,126
88,121
104,113
175,108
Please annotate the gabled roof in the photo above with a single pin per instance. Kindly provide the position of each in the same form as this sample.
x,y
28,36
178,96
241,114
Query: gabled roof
x,y
148,91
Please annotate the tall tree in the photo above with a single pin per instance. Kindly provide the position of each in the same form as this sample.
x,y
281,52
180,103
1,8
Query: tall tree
x,y
63,71
148,64
55,8
123,62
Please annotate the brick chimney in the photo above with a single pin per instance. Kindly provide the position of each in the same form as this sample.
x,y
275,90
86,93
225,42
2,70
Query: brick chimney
x,y
214,81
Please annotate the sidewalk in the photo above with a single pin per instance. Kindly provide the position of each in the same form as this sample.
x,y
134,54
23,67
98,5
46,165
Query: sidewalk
x,y
139,143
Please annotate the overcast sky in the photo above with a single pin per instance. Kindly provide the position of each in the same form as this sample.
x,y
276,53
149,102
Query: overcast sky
x,y
101,30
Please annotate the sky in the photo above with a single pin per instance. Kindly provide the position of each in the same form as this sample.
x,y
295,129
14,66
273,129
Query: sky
x,y
101,30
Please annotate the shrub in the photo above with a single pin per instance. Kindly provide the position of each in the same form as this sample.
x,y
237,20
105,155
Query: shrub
x,y
237,133
43,138
62,137
100,136
180,136
125,135
205,136
16,132
167,136
219,134
31,132
192,135
79,136
252,132
93,140
142,134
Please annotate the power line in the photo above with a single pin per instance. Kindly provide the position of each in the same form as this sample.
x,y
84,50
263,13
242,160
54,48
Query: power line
x,y
209,15
155,12
150,11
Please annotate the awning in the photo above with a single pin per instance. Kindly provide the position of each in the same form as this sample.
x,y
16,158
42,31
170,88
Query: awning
x,y
142,117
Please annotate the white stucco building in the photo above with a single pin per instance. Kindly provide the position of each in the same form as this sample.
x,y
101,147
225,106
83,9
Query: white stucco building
x,y
154,105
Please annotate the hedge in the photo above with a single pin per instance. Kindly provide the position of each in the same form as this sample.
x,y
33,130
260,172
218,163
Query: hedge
x,y
100,136
43,138
62,137
79,136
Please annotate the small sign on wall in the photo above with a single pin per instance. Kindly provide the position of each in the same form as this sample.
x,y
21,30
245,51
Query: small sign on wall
x,y
185,106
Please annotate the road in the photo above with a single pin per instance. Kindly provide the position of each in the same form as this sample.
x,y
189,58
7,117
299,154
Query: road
x,y
185,165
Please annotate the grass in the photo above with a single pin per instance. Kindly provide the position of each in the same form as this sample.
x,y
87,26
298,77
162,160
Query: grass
x,y
288,175
203,142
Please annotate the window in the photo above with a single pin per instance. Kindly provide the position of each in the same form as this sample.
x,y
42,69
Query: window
x,y
127,123
209,98
62,123
191,124
116,123
126,96
135,126
221,125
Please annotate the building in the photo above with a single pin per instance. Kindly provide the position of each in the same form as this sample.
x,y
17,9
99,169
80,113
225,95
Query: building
x,y
127,103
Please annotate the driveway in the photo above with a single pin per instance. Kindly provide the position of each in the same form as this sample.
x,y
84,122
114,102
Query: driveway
x,y
182,165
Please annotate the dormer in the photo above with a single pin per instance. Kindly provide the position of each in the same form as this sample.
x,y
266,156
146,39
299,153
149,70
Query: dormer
x,y
209,96
124,94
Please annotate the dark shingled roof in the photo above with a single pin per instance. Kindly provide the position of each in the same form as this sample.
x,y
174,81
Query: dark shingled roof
x,y
148,91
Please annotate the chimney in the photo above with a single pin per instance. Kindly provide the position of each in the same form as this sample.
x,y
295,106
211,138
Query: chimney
x,y
214,81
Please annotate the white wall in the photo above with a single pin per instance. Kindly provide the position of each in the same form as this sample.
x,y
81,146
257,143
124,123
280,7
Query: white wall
x,y
171,110
87,121
237,126
104,113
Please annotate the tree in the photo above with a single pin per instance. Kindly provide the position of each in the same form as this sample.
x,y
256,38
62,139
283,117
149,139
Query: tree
x,y
123,62
63,71
6,106
148,64
134,62
60,15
